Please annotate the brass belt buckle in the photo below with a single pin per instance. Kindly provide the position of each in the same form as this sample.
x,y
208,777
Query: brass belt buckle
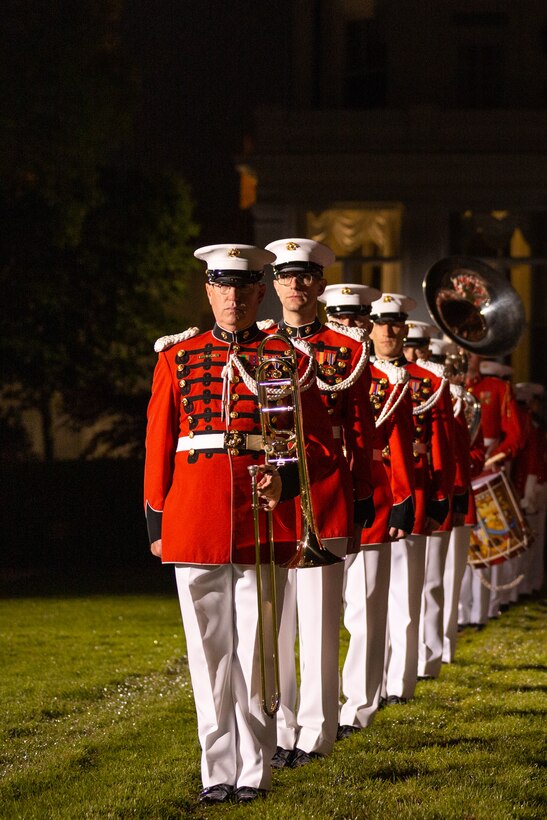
x,y
234,441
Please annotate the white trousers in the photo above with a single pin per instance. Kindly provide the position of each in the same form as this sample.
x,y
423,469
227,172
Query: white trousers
x,y
220,617
308,717
456,562
403,615
474,596
430,645
534,557
366,591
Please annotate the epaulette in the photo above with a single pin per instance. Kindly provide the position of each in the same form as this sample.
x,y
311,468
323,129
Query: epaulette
x,y
165,342
266,324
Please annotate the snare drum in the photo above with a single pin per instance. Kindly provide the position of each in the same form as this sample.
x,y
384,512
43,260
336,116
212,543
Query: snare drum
x,y
501,531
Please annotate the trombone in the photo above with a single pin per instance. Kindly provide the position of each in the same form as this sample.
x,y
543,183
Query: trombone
x,y
277,378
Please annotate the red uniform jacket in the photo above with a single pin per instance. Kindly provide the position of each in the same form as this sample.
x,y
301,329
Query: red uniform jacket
x,y
477,457
462,478
344,382
203,498
531,459
393,461
433,446
499,418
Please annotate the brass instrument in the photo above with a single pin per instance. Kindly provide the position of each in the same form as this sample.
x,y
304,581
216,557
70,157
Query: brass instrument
x,y
277,378
269,705
455,370
474,305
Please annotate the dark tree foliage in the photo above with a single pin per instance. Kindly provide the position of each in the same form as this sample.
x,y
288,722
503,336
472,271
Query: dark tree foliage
x,y
93,255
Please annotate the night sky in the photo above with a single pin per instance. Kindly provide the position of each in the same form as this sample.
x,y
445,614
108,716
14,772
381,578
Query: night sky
x,y
205,67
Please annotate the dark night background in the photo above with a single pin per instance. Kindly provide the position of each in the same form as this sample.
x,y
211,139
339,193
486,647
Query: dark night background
x,y
205,67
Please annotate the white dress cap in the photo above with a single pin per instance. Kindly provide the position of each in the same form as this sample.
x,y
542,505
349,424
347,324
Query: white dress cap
x,y
442,347
491,368
392,306
420,331
525,391
348,298
302,253
234,257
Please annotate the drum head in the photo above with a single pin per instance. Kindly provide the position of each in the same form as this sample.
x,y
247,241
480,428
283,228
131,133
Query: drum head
x,y
500,533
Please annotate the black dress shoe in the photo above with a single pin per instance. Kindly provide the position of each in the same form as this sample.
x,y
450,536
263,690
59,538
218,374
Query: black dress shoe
x,y
282,758
346,730
382,703
392,700
221,793
301,758
246,794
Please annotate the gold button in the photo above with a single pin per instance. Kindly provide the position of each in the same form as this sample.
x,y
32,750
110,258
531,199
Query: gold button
x,y
190,419
330,411
182,383
236,348
191,434
234,452
235,397
234,414
181,352
343,350
184,401
191,452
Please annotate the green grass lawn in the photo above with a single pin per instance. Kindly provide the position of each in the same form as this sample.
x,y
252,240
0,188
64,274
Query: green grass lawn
x,y
98,721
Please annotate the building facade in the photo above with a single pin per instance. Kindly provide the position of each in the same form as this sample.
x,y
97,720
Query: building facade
x,y
414,130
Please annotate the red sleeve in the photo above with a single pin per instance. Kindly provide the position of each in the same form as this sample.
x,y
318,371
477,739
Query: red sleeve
x,y
443,464
513,434
359,426
400,433
477,455
161,436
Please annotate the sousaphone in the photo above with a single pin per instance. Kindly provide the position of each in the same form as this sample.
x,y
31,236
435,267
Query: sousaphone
x,y
474,305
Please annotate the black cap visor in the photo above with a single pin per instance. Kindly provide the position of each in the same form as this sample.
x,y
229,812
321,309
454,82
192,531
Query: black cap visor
x,y
234,278
385,318
348,310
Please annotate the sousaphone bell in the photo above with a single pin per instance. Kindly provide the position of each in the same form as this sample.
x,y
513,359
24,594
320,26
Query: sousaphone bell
x,y
474,305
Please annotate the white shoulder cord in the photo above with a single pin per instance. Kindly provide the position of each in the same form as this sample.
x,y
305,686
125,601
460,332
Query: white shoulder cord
x,y
358,335
165,342
457,392
396,375
437,370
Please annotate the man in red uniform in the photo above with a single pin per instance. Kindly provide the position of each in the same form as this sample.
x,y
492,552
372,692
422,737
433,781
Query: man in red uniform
x,y
418,348
529,471
367,572
313,596
502,438
433,474
203,434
